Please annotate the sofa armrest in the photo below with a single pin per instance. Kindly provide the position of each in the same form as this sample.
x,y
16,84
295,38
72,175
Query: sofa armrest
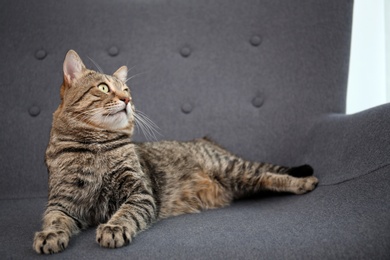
x,y
345,147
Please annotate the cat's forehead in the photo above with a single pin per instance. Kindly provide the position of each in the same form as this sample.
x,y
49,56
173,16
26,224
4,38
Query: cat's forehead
x,y
97,78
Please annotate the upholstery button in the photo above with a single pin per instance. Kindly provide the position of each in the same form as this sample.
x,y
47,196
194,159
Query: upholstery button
x,y
34,111
40,54
186,108
113,51
185,52
257,101
255,40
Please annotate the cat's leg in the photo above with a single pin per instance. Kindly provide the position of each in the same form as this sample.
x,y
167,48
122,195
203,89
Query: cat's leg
x,y
136,213
248,177
58,227
286,183
241,177
297,180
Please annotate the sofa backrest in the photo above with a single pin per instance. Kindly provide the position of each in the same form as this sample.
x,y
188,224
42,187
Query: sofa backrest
x,y
252,75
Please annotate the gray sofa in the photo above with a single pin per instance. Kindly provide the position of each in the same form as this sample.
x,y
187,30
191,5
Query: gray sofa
x,y
264,78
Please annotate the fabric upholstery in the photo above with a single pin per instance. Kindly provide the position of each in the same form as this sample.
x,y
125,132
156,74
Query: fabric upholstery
x,y
264,78
343,221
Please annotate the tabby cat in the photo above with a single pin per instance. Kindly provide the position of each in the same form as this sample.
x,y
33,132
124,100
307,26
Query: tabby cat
x,y
98,176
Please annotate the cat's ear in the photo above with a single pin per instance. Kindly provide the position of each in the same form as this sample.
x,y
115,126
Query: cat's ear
x,y
121,74
73,66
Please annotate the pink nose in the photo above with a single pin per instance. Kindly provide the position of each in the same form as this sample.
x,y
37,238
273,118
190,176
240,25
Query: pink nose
x,y
126,100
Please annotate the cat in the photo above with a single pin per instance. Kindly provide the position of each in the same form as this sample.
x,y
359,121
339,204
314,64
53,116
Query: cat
x,y
99,177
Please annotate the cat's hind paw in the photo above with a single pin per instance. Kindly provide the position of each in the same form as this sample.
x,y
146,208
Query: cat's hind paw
x,y
305,185
112,236
50,241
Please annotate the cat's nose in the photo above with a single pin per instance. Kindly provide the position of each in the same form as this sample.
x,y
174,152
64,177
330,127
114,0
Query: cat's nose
x,y
126,100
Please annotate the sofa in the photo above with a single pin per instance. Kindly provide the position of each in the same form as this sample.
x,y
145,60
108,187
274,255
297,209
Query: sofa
x,y
266,79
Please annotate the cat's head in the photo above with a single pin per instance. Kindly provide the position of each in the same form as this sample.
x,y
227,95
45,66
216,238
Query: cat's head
x,y
94,99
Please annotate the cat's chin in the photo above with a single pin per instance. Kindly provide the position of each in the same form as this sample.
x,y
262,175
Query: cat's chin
x,y
116,121
119,121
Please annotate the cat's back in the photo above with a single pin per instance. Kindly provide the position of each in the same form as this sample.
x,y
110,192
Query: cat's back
x,y
176,150
174,157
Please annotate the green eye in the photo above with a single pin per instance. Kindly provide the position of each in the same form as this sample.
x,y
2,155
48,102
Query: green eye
x,y
103,88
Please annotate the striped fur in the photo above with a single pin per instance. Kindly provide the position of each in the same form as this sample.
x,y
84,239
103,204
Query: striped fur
x,y
97,176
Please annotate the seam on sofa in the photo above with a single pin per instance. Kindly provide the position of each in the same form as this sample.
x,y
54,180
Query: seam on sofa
x,y
356,177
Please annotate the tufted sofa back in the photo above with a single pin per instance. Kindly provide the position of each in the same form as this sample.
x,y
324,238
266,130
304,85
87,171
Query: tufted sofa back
x,y
253,75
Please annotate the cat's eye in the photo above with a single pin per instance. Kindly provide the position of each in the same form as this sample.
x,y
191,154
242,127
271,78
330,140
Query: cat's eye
x,y
126,90
103,88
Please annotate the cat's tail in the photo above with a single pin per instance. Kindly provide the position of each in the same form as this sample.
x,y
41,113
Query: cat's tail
x,y
301,171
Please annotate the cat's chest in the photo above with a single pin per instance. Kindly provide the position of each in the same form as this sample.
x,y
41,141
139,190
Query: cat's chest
x,y
100,199
94,193
87,184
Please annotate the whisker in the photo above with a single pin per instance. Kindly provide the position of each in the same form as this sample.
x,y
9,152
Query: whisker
x,y
145,129
147,126
149,121
130,69
96,65
136,75
142,122
90,112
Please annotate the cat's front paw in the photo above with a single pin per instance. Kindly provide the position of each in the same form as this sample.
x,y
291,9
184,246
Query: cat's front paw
x,y
112,236
50,241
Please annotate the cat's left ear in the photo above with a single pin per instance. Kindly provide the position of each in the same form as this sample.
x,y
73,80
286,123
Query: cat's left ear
x,y
121,74
73,66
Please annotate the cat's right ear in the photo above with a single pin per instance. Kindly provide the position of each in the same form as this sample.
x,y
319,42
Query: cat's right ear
x,y
73,67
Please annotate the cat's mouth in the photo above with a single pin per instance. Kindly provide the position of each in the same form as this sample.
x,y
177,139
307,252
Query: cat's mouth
x,y
123,111
116,110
